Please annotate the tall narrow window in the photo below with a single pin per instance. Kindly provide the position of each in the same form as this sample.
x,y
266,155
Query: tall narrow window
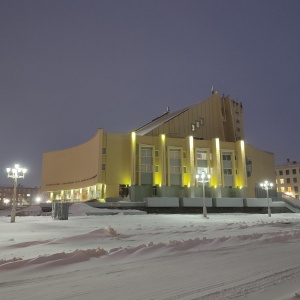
x,y
202,161
227,169
146,165
175,166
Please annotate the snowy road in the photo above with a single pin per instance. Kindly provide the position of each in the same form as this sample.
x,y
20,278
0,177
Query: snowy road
x,y
160,257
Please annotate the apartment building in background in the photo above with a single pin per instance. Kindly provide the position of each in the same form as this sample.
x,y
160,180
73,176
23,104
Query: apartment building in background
x,y
288,178
25,195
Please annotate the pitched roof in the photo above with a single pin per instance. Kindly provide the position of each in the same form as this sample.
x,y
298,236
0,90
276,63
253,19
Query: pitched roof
x,y
159,121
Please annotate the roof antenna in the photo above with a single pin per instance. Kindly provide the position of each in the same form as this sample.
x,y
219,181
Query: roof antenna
x,y
212,89
168,109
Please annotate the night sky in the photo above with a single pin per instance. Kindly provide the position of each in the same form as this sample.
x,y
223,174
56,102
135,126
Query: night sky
x,y
69,67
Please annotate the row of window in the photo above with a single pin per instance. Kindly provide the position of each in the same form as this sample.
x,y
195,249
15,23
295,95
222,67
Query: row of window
x,y
287,172
175,154
197,124
289,189
9,194
288,180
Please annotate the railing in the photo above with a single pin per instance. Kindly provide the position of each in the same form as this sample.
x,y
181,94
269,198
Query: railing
x,y
295,203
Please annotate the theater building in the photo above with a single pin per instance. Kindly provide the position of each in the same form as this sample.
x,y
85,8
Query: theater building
x,y
162,158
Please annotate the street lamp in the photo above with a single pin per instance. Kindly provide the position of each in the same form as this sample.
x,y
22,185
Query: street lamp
x,y
266,185
203,178
15,173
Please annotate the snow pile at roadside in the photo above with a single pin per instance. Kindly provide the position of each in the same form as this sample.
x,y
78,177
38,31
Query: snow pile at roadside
x,y
80,209
75,209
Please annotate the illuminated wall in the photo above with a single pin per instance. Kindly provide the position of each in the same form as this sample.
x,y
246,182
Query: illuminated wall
x,y
117,163
263,168
73,168
98,168
216,116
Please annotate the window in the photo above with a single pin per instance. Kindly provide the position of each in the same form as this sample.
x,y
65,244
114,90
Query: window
x,y
146,152
294,171
201,155
294,179
248,166
146,168
282,189
280,172
184,169
156,169
226,156
156,153
296,189
289,188
281,181
103,167
288,180
287,172
199,122
193,127
227,171
103,151
174,169
174,153
154,191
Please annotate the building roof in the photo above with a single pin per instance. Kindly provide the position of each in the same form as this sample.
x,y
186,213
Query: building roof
x,y
159,121
288,165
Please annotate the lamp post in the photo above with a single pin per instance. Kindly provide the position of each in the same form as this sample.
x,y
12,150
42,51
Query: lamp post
x,y
15,173
203,178
266,185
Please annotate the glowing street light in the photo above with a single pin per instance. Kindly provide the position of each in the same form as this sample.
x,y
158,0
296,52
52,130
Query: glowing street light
x,y
203,178
266,185
15,173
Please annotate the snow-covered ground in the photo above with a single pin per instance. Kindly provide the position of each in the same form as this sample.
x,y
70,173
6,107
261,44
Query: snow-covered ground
x,y
159,257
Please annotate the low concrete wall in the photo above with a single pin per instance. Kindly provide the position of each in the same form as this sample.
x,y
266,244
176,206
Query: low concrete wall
x,y
195,202
262,202
228,202
162,202
257,202
278,204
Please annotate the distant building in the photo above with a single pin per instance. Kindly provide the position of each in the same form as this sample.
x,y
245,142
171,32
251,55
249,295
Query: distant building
x,y
288,178
25,195
162,158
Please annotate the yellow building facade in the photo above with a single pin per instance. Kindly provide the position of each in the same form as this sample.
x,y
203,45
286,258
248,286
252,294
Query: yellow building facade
x,y
162,159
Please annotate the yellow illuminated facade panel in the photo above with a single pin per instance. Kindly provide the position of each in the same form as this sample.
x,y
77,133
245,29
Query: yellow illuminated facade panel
x,y
174,162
